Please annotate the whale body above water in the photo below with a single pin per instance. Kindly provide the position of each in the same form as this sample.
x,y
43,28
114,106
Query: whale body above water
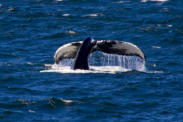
x,y
80,51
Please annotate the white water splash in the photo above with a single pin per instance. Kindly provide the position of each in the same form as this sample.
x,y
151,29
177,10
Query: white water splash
x,y
126,62
100,63
93,69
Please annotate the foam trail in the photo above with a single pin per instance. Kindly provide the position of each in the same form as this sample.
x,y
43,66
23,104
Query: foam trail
x,y
93,69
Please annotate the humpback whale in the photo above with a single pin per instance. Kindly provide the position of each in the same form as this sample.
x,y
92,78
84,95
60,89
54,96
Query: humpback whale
x,y
79,51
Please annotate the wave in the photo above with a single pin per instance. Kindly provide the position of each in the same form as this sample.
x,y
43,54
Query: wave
x,y
154,0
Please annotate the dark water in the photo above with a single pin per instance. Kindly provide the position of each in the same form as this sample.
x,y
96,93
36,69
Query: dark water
x,y
31,31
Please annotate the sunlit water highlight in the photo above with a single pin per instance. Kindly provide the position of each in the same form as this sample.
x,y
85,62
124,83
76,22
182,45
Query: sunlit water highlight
x,y
154,0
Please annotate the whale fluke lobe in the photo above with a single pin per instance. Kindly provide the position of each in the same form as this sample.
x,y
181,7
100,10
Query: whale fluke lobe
x,y
67,51
81,50
120,48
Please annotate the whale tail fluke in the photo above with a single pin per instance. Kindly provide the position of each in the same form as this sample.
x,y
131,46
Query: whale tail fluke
x,y
81,49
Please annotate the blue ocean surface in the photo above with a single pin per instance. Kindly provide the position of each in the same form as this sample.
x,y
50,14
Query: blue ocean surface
x,y
33,88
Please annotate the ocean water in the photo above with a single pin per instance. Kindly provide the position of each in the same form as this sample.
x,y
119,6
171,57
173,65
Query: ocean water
x,y
116,88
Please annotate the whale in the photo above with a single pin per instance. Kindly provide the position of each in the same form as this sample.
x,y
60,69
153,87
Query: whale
x,y
80,51
81,60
